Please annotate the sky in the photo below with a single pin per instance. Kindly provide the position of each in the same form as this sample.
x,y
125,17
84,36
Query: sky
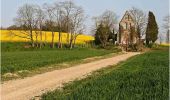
x,y
92,8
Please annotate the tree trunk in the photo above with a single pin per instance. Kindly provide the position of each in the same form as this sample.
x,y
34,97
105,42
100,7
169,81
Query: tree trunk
x,y
59,39
45,40
167,37
68,38
74,42
32,43
68,35
36,39
61,45
71,42
32,40
40,39
147,42
52,42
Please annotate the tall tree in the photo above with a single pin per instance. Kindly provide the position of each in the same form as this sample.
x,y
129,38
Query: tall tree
x,y
152,29
140,20
50,22
160,38
106,22
58,13
102,34
166,27
68,8
66,16
167,37
77,24
107,18
40,20
27,20
55,13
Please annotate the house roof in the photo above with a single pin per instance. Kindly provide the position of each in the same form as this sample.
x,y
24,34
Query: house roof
x,y
127,13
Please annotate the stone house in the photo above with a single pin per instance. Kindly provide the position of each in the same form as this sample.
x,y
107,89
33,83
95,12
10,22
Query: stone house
x,y
124,36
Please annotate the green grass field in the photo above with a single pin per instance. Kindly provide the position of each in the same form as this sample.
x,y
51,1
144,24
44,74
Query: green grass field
x,y
23,46
19,59
143,77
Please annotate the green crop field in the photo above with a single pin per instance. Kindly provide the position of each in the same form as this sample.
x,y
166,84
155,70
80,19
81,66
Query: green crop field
x,y
143,77
13,61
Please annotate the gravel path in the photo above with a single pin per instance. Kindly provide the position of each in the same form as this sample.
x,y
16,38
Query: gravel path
x,y
24,89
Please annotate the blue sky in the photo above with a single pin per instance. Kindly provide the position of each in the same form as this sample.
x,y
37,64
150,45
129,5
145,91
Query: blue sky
x,y
91,7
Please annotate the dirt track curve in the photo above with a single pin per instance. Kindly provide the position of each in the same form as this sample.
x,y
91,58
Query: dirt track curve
x,y
25,89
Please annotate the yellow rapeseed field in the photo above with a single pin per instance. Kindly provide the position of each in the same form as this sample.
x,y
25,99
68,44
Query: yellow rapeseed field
x,y
10,36
165,44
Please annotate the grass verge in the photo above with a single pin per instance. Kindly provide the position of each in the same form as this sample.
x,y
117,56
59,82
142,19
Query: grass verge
x,y
143,77
25,63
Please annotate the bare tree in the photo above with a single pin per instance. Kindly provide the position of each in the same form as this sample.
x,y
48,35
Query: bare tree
x,y
167,37
68,8
95,26
108,18
2,28
166,24
104,24
40,20
26,19
50,21
166,27
160,38
56,14
59,14
140,20
77,24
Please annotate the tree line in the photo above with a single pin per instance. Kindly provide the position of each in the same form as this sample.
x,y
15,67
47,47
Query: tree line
x,y
57,17
145,27
68,17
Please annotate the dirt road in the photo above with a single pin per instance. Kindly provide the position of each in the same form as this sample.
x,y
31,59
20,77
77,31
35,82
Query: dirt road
x,y
25,89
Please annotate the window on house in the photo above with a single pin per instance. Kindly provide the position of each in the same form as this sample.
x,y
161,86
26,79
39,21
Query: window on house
x,y
126,26
115,37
